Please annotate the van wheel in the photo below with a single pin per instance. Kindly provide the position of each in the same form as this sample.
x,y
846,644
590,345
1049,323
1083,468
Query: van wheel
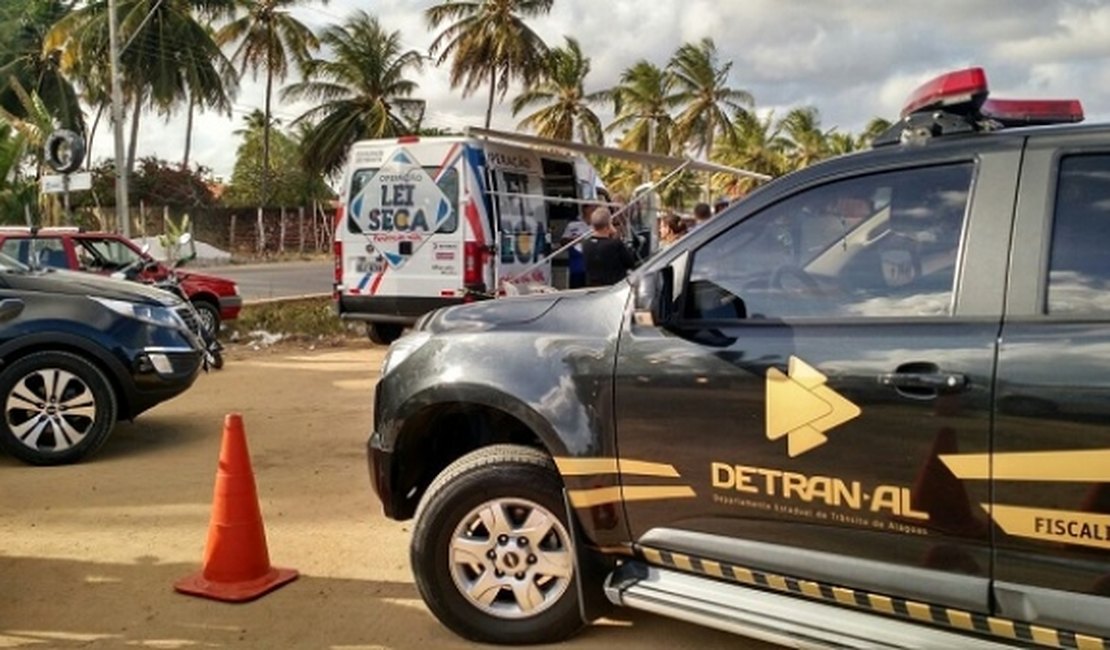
x,y
384,333
58,408
491,551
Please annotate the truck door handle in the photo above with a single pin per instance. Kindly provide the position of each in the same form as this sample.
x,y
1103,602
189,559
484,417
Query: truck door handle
x,y
923,380
936,381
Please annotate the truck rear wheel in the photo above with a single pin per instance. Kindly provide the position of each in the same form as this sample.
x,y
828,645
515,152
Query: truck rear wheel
x,y
492,553
384,333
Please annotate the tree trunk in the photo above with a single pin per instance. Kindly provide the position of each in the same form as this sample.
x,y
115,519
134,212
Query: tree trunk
x,y
266,136
300,230
492,92
92,135
188,133
134,132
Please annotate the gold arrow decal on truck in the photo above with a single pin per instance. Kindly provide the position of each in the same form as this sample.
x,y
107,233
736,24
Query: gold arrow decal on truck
x,y
801,407
1073,466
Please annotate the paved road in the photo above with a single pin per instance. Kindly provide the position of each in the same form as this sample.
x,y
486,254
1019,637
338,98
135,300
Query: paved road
x,y
278,280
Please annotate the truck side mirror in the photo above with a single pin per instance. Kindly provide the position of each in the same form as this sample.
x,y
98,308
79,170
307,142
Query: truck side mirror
x,y
655,298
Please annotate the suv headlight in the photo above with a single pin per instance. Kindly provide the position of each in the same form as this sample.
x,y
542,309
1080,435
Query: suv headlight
x,y
153,314
402,348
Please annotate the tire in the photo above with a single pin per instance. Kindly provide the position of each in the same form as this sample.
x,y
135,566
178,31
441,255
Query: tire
x,y
384,333
65,151
209,316
489,502
39,432
217,359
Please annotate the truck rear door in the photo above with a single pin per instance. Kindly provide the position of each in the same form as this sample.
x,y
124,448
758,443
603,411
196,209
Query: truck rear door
x,y
403,223
1051,458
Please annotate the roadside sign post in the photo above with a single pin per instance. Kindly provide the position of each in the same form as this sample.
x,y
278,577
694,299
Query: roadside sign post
x,y
64,184
65,153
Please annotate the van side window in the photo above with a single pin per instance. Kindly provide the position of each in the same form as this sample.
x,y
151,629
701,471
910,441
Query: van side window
x,y
448,183
1079,268
883,245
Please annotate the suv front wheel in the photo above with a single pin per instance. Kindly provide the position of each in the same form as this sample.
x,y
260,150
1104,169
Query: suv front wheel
x,y
491,551
58,408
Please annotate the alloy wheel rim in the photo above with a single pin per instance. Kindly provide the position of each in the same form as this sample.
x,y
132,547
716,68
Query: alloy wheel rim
x,y
50,409
207,320
511,558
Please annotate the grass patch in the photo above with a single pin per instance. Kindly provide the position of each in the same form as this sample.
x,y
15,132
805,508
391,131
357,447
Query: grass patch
x,y
310,318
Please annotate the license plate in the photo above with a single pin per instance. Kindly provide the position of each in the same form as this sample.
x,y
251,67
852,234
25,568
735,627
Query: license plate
x,y
367,265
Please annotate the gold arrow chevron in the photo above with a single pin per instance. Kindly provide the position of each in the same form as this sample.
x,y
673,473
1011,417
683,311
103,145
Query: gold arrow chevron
x,y
801,407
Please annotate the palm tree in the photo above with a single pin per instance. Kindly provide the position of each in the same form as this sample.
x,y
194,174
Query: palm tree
x,y
567,109
23,146
25,58
839,143
642,102
168,56
875,127
203,94
808,143
489,41
362,92
756,145
701,88
268,38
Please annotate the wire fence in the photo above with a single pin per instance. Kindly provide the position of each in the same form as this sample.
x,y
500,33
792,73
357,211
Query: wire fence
x,y
243,232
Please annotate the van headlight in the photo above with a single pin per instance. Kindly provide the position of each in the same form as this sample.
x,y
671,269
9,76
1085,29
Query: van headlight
x,y
402,348
153,314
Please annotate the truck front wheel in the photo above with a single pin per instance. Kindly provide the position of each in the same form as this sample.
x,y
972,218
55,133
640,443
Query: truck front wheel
x,y
491,551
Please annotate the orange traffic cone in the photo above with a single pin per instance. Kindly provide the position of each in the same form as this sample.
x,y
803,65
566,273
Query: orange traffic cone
x,y
236,562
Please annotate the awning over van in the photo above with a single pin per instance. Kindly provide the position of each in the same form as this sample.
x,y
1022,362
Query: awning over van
x,y
639,157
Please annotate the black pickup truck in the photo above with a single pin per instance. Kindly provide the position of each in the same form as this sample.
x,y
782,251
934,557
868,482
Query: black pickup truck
x,y
869,405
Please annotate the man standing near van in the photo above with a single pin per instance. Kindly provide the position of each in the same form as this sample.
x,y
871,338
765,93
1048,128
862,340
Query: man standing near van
x,y
608,260
576,262
702,215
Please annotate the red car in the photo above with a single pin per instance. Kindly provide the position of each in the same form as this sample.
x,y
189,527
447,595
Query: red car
x,y
216,299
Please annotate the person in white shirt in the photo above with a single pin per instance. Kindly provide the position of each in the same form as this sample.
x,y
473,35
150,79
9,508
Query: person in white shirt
x,y
576,261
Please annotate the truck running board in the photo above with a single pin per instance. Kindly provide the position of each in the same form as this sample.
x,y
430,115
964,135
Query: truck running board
x,y
788,621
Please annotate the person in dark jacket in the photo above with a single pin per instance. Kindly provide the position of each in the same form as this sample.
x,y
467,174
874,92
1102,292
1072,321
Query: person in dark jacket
x,y
608,260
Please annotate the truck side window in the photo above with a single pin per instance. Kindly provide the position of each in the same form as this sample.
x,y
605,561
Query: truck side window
x,y
1079,270
873,246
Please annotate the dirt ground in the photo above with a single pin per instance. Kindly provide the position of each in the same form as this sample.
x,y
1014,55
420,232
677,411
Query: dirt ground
x,y
88,553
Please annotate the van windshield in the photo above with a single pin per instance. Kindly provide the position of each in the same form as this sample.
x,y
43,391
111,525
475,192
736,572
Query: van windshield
x,y
448,183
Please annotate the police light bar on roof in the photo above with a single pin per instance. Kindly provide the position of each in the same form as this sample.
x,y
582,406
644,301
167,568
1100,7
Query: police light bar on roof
x,y
956,103
1029,112
961,89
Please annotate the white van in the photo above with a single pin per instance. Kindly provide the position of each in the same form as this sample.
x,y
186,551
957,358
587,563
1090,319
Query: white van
x,y
429,222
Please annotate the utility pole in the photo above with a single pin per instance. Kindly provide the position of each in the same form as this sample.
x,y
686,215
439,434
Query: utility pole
x,y
122,209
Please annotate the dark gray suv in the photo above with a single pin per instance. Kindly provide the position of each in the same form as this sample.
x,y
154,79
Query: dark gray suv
x,y
79,352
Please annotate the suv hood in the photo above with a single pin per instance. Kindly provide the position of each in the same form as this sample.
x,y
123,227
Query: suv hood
x,y
587,312
88,284
490,313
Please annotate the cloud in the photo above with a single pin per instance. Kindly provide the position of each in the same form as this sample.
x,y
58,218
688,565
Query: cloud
x,y
853,61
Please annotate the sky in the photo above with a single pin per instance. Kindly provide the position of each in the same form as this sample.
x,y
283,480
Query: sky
x,y
851,59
